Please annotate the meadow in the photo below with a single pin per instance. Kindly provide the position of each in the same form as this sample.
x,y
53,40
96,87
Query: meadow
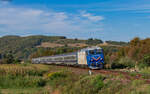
x,y
48,79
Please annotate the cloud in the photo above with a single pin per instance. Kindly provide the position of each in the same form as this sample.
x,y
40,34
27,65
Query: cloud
x,y
91,17
29,21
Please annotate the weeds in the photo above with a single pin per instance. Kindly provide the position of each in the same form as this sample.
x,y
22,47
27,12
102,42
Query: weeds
x,y
86,85
38,79
18,76
18,70
21,82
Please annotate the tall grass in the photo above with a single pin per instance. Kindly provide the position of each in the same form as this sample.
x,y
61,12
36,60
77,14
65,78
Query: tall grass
x,y
87,82
41,77
20,76
86,85
19,70
61,78
21,82
145,70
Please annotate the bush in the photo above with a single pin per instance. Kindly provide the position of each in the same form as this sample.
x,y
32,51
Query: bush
x,y
145,72
60,79
142,65
123,63
8,58
87,85
21,82
127,62
145,62
112,87
92,41
56,75
136,83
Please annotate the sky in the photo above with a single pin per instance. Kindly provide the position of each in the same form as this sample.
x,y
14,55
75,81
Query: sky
x,y
118,20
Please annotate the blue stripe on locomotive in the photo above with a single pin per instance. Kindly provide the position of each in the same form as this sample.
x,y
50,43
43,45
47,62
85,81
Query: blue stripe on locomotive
x,y
95,60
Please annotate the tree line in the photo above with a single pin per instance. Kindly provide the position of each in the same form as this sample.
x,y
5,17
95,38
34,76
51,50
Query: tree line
x,y
137,53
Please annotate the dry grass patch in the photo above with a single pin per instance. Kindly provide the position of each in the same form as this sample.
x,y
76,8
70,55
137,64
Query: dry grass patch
x,y
50,45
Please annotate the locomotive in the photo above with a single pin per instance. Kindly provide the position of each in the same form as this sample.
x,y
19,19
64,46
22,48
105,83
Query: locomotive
x,y
91,57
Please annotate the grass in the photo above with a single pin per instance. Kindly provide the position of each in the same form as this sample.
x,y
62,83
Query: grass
x,y
20,77
22,70
145,70
145,73
26,91
44,79
21,82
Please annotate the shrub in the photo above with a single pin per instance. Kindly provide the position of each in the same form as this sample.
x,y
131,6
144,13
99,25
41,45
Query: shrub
x,y
112,87
92,41
142,65
145,62
21,82
127,62
87,85
60,79
115,65
145,70
136,83
56,75
8,58
123,63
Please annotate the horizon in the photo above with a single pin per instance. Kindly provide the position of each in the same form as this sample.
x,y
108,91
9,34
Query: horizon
x,y
113,20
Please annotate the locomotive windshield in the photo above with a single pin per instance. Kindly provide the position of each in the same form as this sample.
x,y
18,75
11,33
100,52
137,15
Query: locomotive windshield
x,y
96,51
91,52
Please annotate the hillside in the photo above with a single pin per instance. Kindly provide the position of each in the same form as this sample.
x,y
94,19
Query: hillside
x,y
22,47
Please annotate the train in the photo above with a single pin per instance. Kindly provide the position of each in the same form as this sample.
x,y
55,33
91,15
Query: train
x,y
92,57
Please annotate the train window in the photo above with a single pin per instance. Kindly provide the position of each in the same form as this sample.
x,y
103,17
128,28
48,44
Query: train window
x,y
91,51
70,57
87,53
58,59
98,51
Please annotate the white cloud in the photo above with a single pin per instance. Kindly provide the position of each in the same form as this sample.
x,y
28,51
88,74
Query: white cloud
x,y
28,21
91,17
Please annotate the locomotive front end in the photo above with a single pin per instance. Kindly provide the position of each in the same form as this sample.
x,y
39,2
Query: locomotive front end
x,y
95,58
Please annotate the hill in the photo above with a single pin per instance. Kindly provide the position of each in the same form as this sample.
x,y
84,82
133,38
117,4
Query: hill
x,y
23,47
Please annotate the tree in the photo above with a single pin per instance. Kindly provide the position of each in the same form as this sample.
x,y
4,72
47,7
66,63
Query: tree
x,y
76,39
135,41
146,60
8,58
92,41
